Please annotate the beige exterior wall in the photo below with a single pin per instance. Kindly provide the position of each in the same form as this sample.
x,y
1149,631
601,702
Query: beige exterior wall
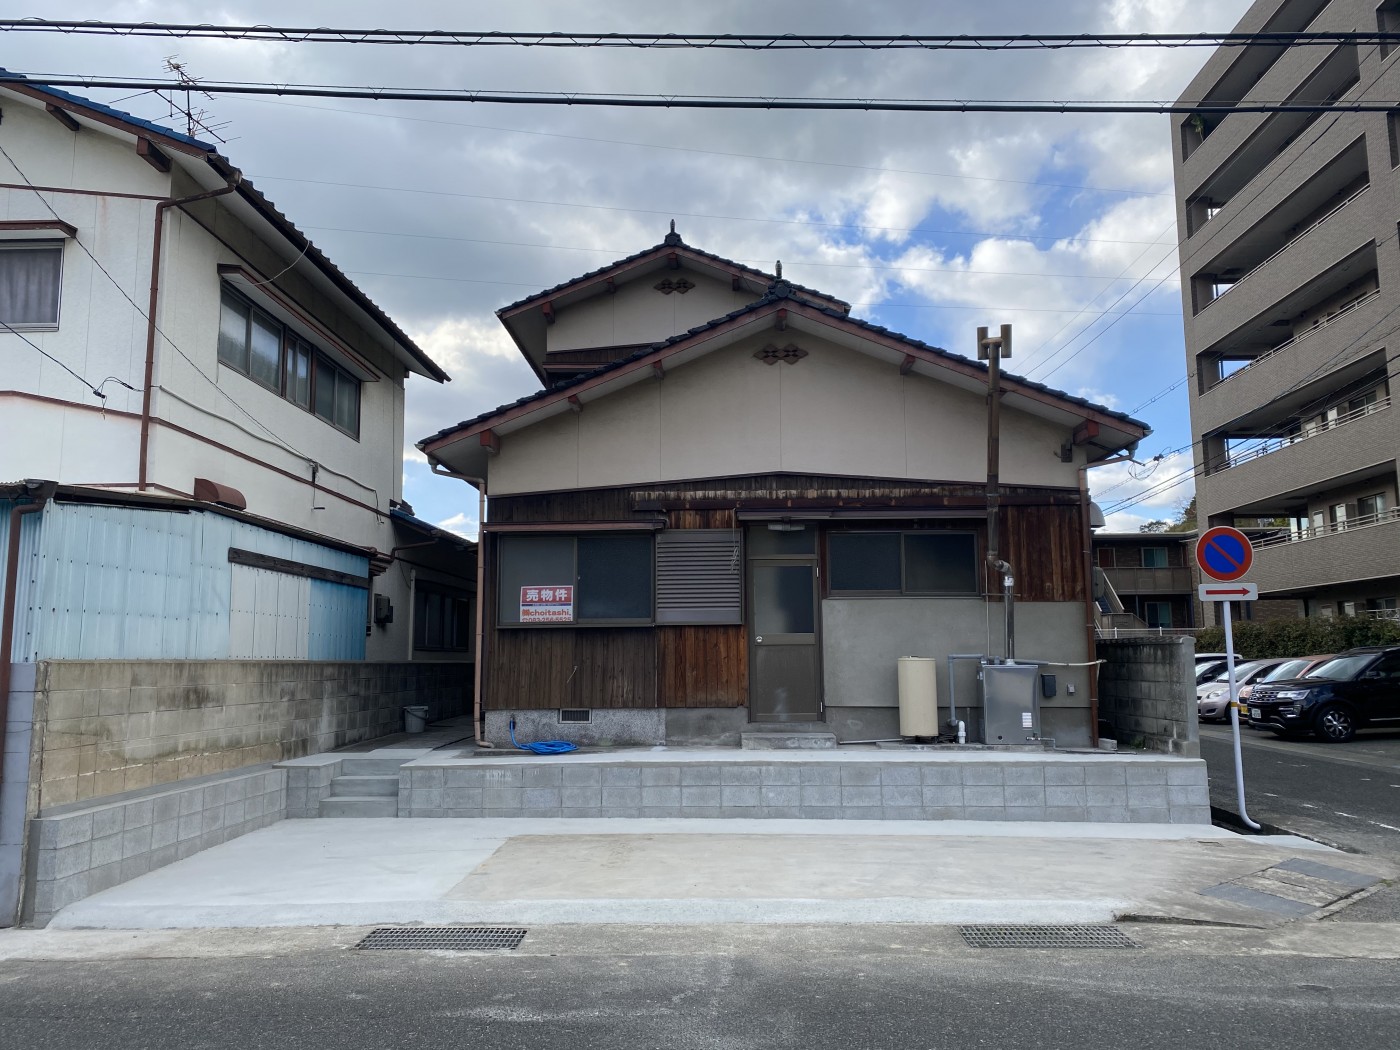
x,y
638,313
837,411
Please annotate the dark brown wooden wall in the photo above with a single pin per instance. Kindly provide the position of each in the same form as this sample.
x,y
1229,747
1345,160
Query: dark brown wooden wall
x,y
1045,546
707,666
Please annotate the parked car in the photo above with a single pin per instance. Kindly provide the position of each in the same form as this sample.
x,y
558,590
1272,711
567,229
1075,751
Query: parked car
x,y
1298,667
1213,697
1208,665
1351,691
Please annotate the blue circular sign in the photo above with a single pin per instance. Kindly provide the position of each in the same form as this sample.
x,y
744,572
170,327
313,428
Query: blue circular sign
x,y
1224,553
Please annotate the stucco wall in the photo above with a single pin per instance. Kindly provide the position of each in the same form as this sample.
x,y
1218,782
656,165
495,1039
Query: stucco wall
x,y
638,313
863,639
837,411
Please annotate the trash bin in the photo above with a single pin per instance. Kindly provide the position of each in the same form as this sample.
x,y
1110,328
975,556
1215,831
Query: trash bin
x,y
415,719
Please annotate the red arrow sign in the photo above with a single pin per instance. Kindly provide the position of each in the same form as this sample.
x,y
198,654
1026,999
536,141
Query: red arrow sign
x,y
1217,593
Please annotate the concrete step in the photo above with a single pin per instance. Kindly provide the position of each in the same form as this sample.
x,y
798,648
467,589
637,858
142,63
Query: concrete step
x,y
370,767
359,806
364,786
788,741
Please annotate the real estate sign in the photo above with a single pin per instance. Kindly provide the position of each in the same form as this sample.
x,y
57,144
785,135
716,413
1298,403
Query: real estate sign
x,y
547,604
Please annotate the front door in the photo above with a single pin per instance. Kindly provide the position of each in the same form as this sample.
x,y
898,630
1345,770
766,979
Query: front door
x,y
784,668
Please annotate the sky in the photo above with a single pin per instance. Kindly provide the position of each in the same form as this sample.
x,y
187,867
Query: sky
x,y
928,224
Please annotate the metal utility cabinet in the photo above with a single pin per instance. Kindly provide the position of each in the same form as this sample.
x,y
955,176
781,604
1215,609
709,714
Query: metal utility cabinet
x,y
1010,703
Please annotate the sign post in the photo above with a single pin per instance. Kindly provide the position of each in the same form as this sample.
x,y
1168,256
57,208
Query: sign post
x,y
1225,555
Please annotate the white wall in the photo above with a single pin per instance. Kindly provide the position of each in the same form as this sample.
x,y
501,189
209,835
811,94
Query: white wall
x,y
837,411
638,313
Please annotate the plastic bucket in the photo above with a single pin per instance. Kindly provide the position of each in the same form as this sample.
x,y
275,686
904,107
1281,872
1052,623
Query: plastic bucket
x,y
415,719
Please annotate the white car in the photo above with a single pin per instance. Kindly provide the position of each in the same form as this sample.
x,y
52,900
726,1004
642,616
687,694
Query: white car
x,y
1213,697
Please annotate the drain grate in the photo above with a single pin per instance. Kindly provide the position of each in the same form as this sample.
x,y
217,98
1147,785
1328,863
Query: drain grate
x,y
1045,937
443,938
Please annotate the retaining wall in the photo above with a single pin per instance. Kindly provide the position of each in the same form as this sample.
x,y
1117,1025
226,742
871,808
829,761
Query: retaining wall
x,y
107,726
1147,694
1140,789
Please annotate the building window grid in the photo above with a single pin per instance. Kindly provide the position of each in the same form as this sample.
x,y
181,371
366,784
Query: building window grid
x,y
254,343
955,566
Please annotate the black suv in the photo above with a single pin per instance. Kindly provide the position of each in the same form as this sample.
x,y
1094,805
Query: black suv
x,y
1353,690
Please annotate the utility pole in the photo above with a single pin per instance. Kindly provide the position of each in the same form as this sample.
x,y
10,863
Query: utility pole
x,y
992,349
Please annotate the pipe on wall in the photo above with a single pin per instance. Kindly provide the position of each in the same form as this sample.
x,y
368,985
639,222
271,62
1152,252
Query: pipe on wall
x,y
40,492
161,208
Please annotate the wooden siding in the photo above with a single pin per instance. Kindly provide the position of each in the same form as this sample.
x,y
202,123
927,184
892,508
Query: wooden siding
x,y
596,667
703,666
1045,546
707,666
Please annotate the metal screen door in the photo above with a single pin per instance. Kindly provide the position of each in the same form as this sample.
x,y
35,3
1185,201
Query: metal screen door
x,y
784,670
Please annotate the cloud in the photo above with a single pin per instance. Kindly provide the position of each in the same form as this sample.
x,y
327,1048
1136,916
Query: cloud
x,y
462,524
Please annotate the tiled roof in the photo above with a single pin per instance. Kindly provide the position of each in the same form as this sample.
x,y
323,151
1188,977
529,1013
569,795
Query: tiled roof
x,y
110,111
668,243
781,290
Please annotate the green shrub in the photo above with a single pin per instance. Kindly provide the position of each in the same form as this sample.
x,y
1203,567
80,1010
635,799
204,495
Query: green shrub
x,y
1301,637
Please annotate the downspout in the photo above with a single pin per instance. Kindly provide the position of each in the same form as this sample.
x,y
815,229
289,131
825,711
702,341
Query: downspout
x,y
7,614
161,206
480,485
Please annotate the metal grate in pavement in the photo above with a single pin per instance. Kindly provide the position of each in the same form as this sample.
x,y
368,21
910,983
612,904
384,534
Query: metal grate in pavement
x,y
443,938
1011,936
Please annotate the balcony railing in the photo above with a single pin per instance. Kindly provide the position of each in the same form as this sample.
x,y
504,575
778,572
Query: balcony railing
x,y
1314,532
1145,632
1342,312
1275,444
1224,289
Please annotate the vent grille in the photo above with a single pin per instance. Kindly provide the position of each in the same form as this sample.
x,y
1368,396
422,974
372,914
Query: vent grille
x,y
443,938
575,714
1045,937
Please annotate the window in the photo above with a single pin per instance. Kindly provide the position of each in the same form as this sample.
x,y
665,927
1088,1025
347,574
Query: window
x,y
30,279
903,562
266,351
1157,614
1371,508
441,618
1154,557
602,578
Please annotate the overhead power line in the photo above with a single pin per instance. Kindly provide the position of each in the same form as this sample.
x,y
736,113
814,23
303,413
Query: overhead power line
x,y
738,102
691,41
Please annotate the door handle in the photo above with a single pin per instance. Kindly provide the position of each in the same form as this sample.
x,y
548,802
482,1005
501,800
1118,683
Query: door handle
x,y
758,638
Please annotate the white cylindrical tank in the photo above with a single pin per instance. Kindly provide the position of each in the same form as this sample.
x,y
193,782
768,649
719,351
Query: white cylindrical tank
x,y
918,696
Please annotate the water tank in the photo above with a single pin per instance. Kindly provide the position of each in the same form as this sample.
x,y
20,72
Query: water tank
x,y
918,696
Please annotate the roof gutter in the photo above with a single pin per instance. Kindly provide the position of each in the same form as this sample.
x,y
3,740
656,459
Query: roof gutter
x,y
40,494
235,177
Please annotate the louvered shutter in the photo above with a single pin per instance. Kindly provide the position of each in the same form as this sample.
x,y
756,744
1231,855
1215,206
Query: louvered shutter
x,y
699,576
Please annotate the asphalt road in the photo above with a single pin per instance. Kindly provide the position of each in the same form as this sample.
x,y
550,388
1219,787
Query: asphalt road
x,y
1346,795
615,989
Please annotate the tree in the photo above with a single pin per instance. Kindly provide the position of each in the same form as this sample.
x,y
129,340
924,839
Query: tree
x,y
1154,526
1185,517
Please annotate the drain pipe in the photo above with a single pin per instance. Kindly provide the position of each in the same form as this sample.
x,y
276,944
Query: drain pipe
x,y
953,686
40,492
161,208
480,485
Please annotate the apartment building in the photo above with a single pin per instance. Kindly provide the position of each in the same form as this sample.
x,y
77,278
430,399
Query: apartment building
x,y
1150,573
1291,292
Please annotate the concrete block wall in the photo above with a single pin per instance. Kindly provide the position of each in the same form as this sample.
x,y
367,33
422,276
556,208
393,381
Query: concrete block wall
x,y
82,849
105,727
1127,789
1147,693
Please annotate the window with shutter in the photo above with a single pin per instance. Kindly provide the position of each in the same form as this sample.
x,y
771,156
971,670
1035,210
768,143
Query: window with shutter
x,y
699,576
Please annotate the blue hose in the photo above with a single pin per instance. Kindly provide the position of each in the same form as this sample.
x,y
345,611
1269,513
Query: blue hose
x,y
542,747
